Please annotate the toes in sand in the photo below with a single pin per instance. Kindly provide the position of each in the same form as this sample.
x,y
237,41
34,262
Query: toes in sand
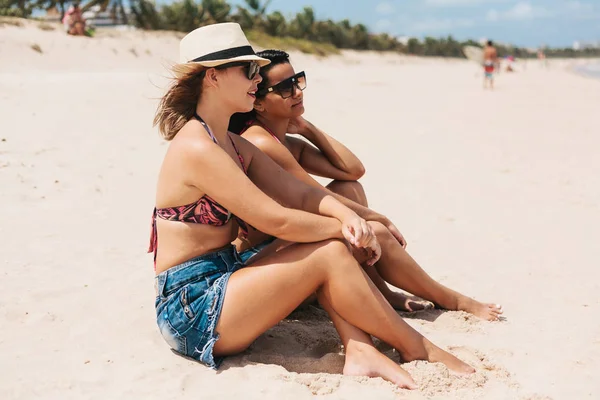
x,y
362,360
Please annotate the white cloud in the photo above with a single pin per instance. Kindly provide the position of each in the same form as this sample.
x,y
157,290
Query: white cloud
x,y
581,11
385,8
493,15
460,3
446,24
520,11
579,6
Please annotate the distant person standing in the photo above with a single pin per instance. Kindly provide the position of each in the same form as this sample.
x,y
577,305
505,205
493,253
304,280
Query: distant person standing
x,y
490,58
542,57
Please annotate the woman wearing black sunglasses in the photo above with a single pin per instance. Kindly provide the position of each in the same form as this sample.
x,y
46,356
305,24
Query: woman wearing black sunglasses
x,y
278,111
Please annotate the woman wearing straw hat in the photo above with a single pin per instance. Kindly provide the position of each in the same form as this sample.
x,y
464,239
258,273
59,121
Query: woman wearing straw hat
x,y
212,183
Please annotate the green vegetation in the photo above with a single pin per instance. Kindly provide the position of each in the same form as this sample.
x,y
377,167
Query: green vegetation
x,y
302,31
267,41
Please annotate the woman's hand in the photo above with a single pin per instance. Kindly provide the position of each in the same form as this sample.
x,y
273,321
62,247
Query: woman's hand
x,y
396,233
373,251
298,126
392,228
356,230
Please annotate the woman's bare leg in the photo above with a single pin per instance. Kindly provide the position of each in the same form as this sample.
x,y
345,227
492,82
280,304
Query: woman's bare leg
x,y
354,191
397,267
259,296
362,358
79,31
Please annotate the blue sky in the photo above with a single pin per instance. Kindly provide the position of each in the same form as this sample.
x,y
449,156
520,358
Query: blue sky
x,y
525,23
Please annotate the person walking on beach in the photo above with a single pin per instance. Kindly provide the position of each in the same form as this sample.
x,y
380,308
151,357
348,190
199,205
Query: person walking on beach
x,y
542,57
490,59
209,304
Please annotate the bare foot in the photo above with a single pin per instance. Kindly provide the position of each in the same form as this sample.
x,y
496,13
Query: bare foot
x,y
365,360
489,312
454,364
435,354
402,302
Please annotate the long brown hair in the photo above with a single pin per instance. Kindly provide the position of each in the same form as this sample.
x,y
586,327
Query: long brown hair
x,y
178,105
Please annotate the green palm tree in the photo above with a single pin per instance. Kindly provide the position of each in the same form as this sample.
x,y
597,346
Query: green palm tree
x,y
303,26
145,15
276,25
255,17
360,37
16,8
183,16
215,11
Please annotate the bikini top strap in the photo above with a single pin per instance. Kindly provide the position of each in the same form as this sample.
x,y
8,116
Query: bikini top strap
x,y
199,118
234,146
266,128
238,154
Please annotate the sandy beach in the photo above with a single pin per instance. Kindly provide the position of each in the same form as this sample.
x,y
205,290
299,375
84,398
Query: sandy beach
x,y
497,193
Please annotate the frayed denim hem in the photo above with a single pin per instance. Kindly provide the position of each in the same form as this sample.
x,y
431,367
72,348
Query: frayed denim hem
x,y
205,354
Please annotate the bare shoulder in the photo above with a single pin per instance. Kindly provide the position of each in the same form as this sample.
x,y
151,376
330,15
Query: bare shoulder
x,y
257,135
254,130
191,144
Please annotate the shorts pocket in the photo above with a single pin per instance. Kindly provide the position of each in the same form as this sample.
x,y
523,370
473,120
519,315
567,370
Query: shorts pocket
x,y
170,334
185,304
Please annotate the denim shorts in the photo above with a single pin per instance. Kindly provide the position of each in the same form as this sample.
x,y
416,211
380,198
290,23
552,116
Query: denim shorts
x,y
189,299
252,251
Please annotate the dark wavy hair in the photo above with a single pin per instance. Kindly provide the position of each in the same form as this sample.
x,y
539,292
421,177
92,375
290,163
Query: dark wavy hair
x,y
239,121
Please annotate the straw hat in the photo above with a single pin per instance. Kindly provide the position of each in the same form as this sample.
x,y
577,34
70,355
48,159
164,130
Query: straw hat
x,y
217,44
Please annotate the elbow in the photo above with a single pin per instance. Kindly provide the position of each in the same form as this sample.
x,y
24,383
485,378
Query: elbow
x,y
279,228
355,173
359,172
275,225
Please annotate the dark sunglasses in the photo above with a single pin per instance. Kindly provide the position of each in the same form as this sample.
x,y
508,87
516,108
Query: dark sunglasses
x,y
287,87
251,68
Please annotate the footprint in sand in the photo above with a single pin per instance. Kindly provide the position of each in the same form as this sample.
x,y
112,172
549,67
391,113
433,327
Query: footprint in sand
x,y
453,321
318,384
434,379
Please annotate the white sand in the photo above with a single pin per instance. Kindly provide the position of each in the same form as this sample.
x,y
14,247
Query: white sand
x,y
497,193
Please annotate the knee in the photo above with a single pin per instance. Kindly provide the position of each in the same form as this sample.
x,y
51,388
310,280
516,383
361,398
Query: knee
x,y
336,248
335,253
382,232
353,186
352,190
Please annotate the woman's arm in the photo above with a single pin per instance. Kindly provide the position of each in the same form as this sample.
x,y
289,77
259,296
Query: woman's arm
x,y
282,156
330,158
281,185
223,181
